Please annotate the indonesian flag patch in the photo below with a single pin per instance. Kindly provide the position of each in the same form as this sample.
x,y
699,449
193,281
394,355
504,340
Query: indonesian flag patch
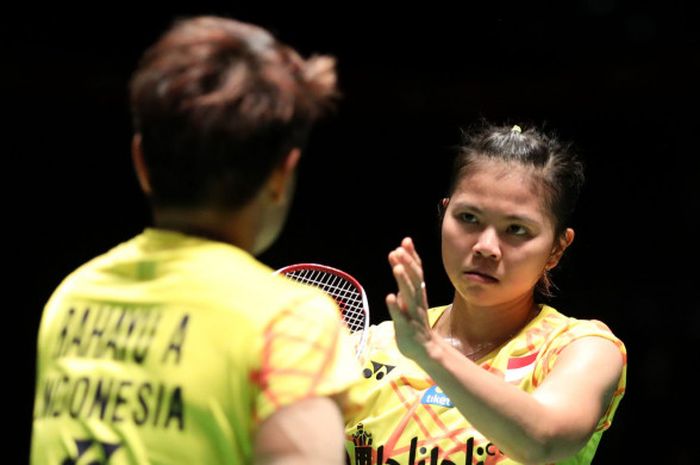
x,y
519,367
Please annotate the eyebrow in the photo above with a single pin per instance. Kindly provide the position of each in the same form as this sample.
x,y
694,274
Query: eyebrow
x,y
515,218
521,219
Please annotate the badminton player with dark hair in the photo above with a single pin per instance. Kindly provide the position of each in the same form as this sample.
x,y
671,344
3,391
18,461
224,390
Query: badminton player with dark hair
x,y
178,346
497,376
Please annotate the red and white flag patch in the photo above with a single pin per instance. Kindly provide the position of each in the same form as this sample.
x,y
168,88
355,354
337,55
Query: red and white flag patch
x,y
519,367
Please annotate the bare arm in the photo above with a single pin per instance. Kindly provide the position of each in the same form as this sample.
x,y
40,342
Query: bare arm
x,y
551,423
308,432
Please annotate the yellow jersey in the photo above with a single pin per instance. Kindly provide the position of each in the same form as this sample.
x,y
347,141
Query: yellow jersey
x,y
171,349
405,418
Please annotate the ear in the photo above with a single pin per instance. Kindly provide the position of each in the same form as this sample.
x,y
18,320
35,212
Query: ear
x,y
140,164
560,246
442,207
282,178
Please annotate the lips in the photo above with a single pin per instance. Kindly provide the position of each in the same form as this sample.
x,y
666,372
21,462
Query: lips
x,y
480,276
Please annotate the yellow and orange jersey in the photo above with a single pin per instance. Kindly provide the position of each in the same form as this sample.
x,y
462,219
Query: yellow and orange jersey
x,y
171,349
405,418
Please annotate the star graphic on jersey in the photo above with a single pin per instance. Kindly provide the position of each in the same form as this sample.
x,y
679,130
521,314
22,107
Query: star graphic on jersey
x,y
84,457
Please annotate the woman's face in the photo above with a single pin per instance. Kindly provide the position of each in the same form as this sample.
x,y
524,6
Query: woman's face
x,y
497,235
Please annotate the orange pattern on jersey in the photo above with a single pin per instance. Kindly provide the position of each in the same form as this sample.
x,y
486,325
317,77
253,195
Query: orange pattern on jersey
x,y
414,408
286,330
540,343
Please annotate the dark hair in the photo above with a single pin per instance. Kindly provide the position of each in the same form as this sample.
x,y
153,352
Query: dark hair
x,y
218,104
556,167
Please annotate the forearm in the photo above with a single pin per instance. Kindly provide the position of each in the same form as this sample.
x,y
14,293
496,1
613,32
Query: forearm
x,y
551,423
518,423
308,432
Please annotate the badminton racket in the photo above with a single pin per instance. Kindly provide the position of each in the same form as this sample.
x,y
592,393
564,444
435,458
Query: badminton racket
x,y
342,287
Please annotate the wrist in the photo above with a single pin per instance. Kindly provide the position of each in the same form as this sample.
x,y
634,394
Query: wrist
x,y
435,350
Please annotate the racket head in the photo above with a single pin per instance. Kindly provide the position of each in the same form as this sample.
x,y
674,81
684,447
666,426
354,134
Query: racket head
x,y
347,292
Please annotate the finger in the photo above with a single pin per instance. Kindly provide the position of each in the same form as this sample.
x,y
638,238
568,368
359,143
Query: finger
x,y
423,295
401,303
414,271
395,311
411,262
411,298
394,257
401,281
397,301
407,288
413,268
409,246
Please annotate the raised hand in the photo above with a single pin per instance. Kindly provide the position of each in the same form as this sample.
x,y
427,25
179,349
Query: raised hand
x,y
409,306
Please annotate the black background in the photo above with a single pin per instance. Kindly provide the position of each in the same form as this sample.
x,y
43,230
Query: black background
x,y
618,78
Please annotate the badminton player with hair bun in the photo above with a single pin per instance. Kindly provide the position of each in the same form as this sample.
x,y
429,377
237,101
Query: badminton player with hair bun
x,y
178,346
497,376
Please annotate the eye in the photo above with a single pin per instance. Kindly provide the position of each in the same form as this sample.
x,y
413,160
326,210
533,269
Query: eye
x,y
517,230
465,217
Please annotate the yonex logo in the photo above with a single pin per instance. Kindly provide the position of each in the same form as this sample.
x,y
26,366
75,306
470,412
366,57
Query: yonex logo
x,y
378,370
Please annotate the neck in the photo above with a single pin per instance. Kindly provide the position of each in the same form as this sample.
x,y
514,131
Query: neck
x,y
236,228
476,330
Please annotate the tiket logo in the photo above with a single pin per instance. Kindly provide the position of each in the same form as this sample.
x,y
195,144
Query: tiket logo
x,y
434,396
376,370
86,452
474,453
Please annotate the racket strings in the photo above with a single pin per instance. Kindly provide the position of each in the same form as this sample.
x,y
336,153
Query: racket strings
x,y
345,293
333,284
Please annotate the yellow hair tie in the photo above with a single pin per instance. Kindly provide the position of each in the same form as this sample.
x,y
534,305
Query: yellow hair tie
x,y
517,129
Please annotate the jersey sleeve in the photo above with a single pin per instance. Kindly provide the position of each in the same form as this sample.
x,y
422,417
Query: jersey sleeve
x,y
577,329
307,351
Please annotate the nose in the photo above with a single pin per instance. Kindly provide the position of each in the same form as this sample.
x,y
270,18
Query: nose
x,y
487,244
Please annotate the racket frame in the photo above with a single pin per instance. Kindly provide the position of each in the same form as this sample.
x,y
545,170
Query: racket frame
x,y
289,270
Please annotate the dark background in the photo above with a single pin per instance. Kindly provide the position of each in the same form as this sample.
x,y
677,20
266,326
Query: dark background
x,y
618,78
